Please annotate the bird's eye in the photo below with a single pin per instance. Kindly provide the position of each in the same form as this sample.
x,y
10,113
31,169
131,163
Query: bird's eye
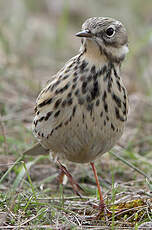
x,y
110,32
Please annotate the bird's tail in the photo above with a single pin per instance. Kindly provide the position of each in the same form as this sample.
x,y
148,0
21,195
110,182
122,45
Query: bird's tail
x,y
35,150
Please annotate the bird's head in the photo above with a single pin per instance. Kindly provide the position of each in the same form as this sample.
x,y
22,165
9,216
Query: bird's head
x,y
104,36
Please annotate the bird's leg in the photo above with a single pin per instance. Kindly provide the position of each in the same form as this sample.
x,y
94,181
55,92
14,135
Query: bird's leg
x,y
102,204
61,176
76,187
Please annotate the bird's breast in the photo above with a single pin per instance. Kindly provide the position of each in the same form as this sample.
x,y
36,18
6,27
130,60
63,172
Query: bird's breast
x,y
88,118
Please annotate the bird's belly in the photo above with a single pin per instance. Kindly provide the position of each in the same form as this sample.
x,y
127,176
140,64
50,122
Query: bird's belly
x,y
83,140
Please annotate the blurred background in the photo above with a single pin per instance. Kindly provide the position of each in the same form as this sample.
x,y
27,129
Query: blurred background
x,y
36,39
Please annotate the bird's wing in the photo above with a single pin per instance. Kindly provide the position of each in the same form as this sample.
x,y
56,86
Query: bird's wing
x,y
51,105
47,95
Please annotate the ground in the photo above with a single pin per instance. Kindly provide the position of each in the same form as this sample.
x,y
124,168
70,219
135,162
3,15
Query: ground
x,y
36,38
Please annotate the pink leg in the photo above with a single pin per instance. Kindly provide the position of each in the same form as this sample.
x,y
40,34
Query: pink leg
x,y
75,186
102,205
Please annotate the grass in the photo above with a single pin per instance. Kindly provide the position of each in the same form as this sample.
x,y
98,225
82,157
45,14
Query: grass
x,y
35,41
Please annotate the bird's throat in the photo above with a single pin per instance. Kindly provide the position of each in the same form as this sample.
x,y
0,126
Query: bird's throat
x,y
92,53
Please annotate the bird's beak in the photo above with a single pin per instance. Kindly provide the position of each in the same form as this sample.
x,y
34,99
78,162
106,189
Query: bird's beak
x,y
84,34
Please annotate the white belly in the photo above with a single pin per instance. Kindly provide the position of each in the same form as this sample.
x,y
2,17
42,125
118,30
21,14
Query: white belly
x,y
84,139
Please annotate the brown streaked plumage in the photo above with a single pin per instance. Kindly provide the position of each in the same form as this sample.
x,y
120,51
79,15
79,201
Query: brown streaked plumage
x,y
81,113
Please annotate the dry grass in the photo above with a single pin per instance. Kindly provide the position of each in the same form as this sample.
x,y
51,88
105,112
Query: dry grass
x,y
36,38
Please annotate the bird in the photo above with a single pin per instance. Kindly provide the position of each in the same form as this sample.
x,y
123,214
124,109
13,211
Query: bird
x,y
81,113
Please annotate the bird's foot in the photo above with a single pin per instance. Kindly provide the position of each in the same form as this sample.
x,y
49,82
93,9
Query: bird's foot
x,y
102,210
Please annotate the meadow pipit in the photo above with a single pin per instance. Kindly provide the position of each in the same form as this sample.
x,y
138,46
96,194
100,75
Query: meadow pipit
x,y
81,113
